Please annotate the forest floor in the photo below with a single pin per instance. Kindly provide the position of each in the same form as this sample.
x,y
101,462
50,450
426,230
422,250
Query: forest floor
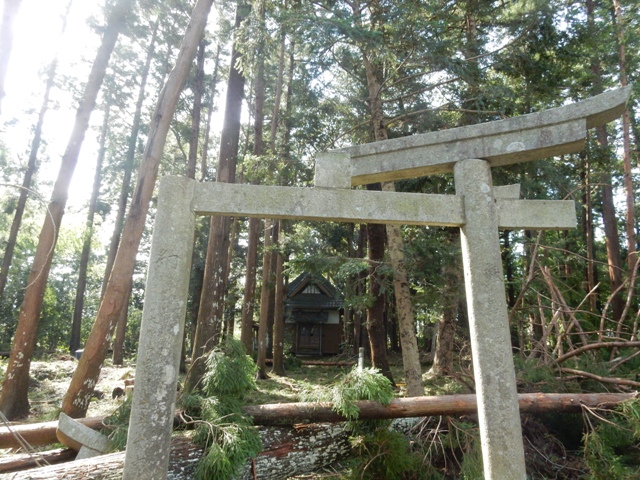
x,y
50,378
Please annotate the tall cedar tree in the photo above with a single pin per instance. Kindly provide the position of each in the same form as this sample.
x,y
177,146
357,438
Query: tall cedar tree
x,y
78,396
78,307
211,308
123,197
32,165
14,401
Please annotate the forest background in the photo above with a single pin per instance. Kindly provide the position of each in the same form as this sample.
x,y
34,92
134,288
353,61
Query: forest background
x,y
271,85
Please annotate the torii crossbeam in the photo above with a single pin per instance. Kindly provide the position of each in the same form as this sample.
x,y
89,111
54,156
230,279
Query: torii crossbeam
x,y
478,208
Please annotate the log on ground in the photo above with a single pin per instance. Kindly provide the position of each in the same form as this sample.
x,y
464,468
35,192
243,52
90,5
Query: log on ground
x,y
38,434
288,451
24,461
293,413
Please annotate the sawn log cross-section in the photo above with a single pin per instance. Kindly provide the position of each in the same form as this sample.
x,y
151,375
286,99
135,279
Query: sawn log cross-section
x,y
479,209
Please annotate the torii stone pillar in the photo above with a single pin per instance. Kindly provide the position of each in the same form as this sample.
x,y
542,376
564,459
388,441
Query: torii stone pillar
x,y
478,208
493,370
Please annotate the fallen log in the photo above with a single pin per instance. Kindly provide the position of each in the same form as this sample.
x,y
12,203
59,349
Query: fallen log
x,y
23,461
288,452
299,449
321,363
292,413
184,455
38,434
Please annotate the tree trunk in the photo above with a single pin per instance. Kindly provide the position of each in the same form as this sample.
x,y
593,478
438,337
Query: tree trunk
x,y
426,406
195,111
248,300
76,326
609,220
275,117
32,167
205,143
278,315
14,401
129,159
588,235
265,296
410,355
121,331
77,398
375,313
39,434
626,141
211,311
9,13
24,461
408,340
443,356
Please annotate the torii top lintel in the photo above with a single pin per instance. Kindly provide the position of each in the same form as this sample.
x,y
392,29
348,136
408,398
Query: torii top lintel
x,y
547,133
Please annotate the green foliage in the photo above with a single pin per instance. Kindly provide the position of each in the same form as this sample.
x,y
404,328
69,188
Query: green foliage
x,y
534,372
230,372
385,454
382,453
357,384
227,434
611,448
116,426
360,384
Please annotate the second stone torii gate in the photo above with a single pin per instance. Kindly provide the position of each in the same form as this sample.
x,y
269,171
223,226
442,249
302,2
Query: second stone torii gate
x,y
478,208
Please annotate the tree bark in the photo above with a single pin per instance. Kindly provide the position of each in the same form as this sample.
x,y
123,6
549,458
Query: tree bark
x,y
76,326
265,296
409,343
626,140
77,398
248,300
39,434
24,461
404,308
275,117
375,312
14,401
609,220
211,311
32,167
121,323
589,235
289,414
129,159
426,406
443,356
278,315
196,111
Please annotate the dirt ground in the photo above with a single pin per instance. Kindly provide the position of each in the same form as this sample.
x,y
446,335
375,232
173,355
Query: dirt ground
x,y
50,380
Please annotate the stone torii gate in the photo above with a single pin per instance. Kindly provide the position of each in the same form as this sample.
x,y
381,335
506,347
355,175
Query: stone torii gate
x,y
479,209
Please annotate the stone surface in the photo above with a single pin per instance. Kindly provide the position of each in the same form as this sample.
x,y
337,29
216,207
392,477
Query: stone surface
x,y
551,132
495,381
333,170
328,204
84,440
161,332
